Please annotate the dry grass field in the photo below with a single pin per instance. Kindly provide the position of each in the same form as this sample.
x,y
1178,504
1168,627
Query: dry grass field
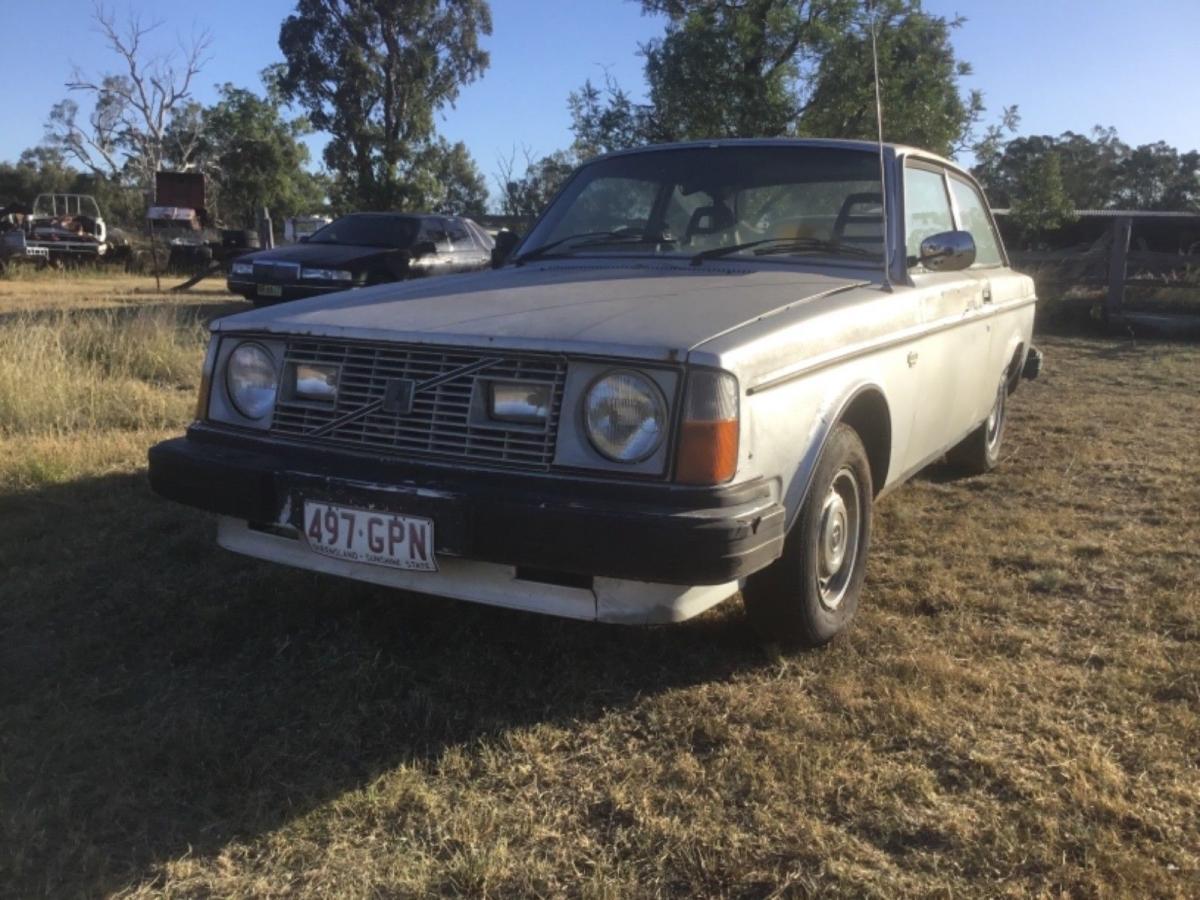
x,y
1015,713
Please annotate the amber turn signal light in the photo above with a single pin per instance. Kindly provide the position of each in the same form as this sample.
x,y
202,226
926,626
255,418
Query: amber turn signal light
x,y
708,434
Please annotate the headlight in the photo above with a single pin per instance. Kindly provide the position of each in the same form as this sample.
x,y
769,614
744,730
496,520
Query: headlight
x,y
241,269
326,275
625,416
251,380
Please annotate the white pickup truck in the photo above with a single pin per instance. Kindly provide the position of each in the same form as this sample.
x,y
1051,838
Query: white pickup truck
x,y
695,375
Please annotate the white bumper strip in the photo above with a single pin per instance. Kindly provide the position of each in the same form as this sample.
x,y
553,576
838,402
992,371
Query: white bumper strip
x,y
610,599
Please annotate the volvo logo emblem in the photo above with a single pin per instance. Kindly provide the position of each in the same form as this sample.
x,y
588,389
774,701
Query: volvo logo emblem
x,y
398,393
398,396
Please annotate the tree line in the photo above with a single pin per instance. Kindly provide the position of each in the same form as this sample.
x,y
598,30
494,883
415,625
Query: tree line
x,y
371,75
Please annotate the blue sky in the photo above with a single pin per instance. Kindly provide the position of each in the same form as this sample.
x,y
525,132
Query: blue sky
x,y
1068,64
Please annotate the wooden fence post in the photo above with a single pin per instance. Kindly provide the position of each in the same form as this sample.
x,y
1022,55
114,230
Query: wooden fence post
x,y
266,233
1117,260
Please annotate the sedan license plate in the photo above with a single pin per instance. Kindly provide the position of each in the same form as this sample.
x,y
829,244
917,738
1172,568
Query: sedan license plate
x,y
378,538
270,290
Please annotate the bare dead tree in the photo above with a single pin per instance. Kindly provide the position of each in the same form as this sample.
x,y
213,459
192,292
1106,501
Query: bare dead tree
x,y
140,116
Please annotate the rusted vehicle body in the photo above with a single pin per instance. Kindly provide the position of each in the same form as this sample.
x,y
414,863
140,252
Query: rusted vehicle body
x,y
695,375
69,227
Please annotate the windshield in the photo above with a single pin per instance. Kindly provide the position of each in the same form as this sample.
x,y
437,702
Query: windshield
x,y
777,200
369,231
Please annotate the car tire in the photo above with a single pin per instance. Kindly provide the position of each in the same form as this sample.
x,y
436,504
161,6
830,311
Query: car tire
x,y
810,594
979,452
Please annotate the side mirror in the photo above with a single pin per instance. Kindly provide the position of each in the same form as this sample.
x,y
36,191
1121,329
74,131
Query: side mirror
x,y
424,248
947,251
506,242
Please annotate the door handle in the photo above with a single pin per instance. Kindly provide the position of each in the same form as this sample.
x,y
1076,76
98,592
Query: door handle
x,y
912,358
987,294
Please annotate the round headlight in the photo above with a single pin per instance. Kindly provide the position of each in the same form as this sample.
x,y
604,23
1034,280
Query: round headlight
x,y
250,377
625,416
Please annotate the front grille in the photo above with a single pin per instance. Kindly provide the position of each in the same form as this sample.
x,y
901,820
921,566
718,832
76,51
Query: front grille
x,y
282,272
440,424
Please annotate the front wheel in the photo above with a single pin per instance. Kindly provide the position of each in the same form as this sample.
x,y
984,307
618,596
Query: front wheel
x,y
810,594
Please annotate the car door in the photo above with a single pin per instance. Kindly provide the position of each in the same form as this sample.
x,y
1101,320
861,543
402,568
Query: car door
x,y
468,255
433,230
952,353
999,285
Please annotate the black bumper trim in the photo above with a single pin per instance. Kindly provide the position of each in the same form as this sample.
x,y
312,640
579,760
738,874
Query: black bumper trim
x,y
642,532
249,290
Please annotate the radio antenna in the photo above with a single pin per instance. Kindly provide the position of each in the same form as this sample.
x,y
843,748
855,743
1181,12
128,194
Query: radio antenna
x,y
887,247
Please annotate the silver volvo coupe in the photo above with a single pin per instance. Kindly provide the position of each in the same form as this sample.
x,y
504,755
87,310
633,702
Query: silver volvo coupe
x,y
696,374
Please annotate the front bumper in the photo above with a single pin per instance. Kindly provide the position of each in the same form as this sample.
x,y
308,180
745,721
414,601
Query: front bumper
x,y
641,532
249,289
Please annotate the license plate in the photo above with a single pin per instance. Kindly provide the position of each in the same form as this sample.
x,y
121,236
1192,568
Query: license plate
x,y
377,538
270,290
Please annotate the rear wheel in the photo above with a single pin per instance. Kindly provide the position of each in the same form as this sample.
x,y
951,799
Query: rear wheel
x,y
979,452
810,594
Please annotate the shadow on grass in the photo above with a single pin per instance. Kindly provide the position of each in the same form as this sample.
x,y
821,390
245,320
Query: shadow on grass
x,y
161,696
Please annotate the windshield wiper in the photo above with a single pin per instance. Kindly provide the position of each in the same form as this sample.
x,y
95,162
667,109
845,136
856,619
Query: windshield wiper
x,y
786,245
590,239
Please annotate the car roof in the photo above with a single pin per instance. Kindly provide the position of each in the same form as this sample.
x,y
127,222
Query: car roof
x,y
829,143
402,215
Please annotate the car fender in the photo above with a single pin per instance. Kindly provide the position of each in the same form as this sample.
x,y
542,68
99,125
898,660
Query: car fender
x,y
828,416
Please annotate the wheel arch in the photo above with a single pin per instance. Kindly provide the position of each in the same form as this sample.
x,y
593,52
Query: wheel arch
x,y
1016,365
865,409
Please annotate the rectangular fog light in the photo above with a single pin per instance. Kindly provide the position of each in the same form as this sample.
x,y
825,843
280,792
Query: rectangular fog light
x,y
315,383
524,402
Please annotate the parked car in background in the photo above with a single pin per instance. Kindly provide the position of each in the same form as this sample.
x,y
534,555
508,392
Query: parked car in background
x,y
362,249
696,374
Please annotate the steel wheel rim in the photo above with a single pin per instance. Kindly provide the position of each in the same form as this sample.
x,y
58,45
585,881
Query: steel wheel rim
x,y
995,419
838,537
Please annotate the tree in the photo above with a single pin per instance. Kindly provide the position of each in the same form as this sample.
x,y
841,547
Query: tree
x,y
255,158
1097,171
40,170
606,119
734,69
45,170
918,77
1157,176
528,194
1043,204
372,73
454,183
1089,166
768,68
133,112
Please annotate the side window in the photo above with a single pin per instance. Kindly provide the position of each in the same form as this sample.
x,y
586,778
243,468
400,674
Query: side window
x,y
482,238
975,219
926,207
435,230
459,235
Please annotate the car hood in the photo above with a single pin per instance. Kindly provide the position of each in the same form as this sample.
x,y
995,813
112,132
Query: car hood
x,y
327,255
650,310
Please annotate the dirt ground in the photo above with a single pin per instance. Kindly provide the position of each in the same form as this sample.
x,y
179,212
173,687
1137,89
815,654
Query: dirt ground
x,y
1016,711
